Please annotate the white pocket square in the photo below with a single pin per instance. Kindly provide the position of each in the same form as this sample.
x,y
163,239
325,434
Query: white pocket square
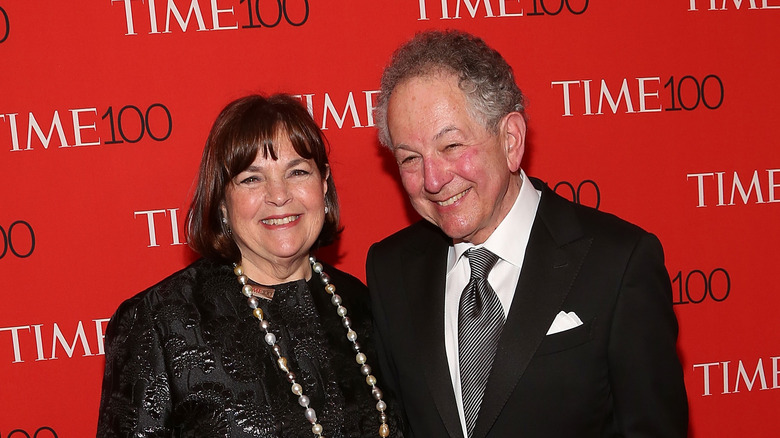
x,y
564,321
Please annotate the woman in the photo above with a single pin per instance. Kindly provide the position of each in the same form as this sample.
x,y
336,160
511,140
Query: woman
x,y
252,340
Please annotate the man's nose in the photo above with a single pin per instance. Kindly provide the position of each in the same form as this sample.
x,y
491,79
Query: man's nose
x,y
436,174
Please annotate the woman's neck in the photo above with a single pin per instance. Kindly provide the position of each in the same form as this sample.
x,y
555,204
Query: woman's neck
x,y
282,271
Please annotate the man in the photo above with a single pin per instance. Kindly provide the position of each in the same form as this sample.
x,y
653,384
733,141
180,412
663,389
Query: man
x,y
572,335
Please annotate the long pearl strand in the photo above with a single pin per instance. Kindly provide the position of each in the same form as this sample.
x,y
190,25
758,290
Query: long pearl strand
x,y
281,361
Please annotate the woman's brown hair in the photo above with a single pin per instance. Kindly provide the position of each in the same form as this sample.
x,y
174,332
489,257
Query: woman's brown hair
x,y
244,128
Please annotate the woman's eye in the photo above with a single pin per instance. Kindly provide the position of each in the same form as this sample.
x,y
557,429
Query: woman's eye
x,y
249,180
299,172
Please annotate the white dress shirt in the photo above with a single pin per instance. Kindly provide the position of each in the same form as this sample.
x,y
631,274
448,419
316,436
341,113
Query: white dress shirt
x,y
508,242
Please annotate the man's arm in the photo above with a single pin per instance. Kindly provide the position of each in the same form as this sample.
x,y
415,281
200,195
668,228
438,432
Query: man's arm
x,y
645,372
389,374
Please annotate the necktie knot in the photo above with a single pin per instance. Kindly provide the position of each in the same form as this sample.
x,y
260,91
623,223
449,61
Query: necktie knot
x,y
481,261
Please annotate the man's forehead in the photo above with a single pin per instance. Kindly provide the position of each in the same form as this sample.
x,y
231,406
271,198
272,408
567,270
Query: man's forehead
x,y
428,93
432,77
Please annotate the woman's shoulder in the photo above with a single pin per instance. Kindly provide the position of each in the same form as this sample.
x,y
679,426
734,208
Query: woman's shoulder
x,y
349,287
344,280
176,288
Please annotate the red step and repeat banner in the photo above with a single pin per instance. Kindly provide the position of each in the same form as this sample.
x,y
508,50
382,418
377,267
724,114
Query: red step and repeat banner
x,y
664,113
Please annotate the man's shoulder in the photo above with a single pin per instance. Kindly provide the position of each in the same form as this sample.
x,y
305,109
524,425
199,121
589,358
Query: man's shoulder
x,y
603,220
559,210
421,234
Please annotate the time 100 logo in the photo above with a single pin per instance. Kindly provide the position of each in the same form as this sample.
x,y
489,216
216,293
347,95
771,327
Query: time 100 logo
x,y
11,240
41,432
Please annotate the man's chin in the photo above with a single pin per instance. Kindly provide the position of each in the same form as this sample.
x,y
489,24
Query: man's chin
x,y
458,233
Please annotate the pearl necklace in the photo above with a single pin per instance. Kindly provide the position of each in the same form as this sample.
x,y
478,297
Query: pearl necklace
x,y
270,339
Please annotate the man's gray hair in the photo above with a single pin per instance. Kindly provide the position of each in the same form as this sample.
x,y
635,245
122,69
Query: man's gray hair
x,y
483,75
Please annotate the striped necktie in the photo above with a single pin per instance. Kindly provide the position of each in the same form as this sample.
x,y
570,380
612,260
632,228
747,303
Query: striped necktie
x,y
480,320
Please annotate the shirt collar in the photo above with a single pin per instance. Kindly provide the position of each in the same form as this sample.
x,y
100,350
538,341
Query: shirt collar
x,y
510,238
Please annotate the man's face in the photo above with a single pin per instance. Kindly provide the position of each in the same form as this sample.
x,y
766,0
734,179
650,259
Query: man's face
x,y
459,176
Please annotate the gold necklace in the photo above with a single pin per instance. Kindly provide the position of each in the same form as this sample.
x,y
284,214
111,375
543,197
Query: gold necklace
x,y
252,294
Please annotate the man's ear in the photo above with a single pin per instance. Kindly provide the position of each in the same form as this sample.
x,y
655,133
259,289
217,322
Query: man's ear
x,y
513,129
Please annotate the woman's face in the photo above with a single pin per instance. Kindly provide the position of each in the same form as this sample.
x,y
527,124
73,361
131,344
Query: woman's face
x,y
276,210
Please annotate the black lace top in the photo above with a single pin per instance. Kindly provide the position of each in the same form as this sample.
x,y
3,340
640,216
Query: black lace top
x,y
186,358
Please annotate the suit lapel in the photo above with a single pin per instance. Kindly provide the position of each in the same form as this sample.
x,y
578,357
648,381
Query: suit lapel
x,y
426,266
556,250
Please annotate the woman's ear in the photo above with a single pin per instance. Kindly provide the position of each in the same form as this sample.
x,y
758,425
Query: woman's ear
x,y
325,177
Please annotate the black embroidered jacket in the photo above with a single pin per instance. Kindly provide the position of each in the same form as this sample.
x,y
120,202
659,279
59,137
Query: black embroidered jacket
x,y
186,358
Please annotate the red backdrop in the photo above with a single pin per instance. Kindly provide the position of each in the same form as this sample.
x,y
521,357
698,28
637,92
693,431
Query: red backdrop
x,y
661,112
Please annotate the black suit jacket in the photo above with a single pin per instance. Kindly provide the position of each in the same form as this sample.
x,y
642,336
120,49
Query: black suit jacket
x,y
617,375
